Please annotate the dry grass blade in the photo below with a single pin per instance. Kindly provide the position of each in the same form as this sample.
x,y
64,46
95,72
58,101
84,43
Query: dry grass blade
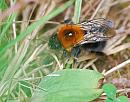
x,y
117,67
17,7
118,48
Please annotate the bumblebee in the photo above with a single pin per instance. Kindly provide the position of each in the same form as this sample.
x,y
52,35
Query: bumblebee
x,y
90,35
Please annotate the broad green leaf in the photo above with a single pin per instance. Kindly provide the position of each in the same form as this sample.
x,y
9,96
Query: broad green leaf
x,y
69,85
108,100
13,101
122,99
110,90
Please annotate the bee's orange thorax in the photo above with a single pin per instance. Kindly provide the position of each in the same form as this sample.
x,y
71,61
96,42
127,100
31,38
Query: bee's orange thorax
x,y
70,35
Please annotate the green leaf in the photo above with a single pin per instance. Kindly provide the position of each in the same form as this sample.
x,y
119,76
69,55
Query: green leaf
x,y
108,100
122,99
69,85
13,101
110,91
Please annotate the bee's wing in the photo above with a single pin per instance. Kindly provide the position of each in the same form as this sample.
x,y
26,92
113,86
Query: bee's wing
x,y
103,22
97,30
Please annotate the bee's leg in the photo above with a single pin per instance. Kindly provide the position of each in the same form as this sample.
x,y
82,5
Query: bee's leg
x,y
76,51
65,53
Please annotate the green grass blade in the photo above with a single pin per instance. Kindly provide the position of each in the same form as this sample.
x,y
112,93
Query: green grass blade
x,y
3,5
37,24
7,25
77,12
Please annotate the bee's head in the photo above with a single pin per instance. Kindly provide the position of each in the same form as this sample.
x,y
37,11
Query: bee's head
x,y
54,43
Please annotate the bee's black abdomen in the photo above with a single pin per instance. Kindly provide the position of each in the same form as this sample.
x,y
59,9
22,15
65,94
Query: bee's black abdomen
x,y
95,47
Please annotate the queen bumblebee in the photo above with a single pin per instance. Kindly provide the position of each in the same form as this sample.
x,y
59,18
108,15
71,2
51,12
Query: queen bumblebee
x,y
89,35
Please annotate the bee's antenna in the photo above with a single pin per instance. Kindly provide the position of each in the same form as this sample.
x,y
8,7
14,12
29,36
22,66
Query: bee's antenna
x,y
68,21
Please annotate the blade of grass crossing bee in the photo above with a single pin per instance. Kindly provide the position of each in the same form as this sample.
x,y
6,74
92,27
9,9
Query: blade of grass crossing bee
x,y
77,12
